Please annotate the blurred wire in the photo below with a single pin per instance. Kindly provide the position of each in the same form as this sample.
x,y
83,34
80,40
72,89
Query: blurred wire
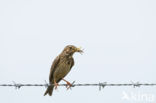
x,y
100,85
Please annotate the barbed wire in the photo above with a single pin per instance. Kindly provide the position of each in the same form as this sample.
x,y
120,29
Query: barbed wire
x,y
100,85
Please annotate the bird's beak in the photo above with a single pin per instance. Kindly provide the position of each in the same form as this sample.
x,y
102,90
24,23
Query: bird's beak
x,y
79,50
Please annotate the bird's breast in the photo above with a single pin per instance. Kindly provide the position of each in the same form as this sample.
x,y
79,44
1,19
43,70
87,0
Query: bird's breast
x,y
63,69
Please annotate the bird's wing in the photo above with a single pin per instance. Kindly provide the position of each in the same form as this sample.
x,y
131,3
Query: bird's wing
x,y
53,68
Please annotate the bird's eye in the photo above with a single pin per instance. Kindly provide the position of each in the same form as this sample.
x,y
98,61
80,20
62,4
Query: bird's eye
x,y
70,47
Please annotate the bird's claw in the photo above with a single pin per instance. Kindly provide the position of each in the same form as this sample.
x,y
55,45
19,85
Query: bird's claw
x,y
55,85
68,85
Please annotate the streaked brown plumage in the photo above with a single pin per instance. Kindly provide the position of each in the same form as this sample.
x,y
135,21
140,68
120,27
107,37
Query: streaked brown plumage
x,y
61,67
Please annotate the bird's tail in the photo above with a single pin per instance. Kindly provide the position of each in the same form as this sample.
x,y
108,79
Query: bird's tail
x,y
49,90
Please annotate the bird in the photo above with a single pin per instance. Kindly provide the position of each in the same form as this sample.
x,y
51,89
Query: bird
x,y
60,67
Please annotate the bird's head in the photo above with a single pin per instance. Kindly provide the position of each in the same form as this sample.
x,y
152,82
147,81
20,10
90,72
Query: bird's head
x,y
71,49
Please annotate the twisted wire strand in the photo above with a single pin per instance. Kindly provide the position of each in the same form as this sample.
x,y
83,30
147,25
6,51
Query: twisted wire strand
x,y
100,85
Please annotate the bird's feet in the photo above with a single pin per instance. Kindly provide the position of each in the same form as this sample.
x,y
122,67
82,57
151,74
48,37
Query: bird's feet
x,y
55,85
68,85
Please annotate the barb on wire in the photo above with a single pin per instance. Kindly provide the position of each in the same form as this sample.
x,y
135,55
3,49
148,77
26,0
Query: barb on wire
x,y
46,84
100,85
17,86
137,84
